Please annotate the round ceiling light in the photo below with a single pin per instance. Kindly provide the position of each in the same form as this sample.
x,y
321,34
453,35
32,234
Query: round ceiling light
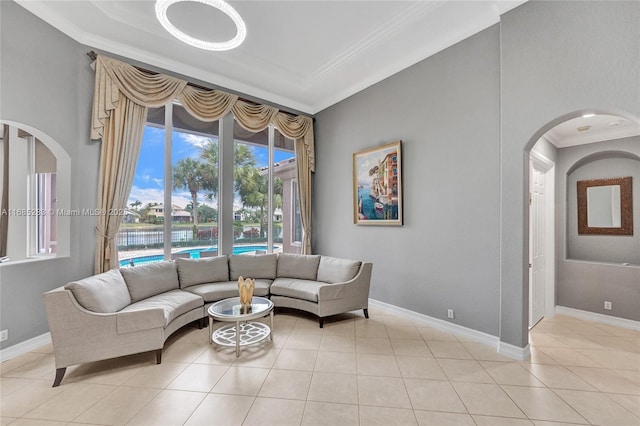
x,y
224,7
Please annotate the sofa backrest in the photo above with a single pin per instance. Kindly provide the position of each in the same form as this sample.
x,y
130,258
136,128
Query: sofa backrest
x,y
333,270
260,266
299,266
103,293
200,271
148,280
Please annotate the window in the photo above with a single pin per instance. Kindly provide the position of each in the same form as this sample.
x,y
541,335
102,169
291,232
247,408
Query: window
x,y
296,223
38,194
183,171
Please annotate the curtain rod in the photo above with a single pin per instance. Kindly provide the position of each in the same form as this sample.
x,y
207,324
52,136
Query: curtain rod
x,y
93,56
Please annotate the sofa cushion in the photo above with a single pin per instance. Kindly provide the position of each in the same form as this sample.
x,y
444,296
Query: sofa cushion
x,y
334,270
304,267
148,280
298,289
173,303
200,271
104,293
212,292
261,266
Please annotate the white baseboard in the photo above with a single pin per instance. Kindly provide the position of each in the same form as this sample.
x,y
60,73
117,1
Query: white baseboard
x,y
24,347
505,349
604,319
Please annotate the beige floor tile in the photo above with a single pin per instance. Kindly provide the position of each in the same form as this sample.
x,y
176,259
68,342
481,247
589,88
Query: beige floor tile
x,y
340,328
406,332
303,341
296,359
228,410
11,364
377,365
385,416
4,421
241,381
118,407
398,321
275,412
444,349
433,395
374,345
215,354
156,375
113,371
382,392
262,355
542,404
500,421
570,357
557,377
510,373
481,351
37,422
597,408
434,418
183,352
606,380
539,357
617,343
413,367
67,405
169,407
306,326
410,347
328,414
547,423
464,370
331,387
11,384
337,343
336,362
487,400
371,329
286,384
631,375
198,377
28,397
40,367
630,402
614,359
430,333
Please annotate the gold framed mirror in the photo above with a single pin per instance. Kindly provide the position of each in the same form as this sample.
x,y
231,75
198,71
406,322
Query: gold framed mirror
x,y
605,206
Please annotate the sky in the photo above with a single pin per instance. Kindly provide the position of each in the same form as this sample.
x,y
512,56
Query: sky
x,y
148,182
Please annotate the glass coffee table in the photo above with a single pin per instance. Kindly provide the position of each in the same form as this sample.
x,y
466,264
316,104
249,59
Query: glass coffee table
x,y
244,331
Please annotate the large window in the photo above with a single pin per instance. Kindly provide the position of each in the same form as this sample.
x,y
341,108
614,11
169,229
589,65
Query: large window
x,y
174,205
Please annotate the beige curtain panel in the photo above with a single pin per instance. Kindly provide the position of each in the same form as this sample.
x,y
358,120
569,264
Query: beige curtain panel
x,y
122,95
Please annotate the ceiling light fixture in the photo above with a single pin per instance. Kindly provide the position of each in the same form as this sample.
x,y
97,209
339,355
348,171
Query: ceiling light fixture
x,y
161,13
589,115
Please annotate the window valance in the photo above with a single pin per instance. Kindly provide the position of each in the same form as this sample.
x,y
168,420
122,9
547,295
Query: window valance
x,y
114,77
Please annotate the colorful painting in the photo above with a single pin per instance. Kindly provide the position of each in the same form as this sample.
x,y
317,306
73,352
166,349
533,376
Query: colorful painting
x,y
377,185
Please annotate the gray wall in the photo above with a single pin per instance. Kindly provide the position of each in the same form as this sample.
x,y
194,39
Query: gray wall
x,y
464,245
47,83
446,111
589,269
557,61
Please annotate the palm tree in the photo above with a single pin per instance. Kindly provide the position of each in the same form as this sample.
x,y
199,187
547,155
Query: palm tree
x,y
243,157
136,204
195,176
253,189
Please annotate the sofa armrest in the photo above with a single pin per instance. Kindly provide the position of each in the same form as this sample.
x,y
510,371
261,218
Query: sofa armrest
x,y
357,287
137,320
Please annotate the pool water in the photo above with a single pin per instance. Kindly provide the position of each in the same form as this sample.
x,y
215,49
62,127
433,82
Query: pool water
x,y
193,253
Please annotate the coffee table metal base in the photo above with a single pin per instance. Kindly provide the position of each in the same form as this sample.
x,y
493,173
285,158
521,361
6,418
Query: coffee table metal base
x,y
241,334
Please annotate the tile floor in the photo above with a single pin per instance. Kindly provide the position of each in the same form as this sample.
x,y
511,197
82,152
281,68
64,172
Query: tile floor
x,y
383,371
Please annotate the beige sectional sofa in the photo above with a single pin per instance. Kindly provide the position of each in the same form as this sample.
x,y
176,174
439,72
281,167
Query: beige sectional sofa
x,y
133,310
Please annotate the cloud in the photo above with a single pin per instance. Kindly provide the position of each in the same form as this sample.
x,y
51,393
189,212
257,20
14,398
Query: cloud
x,y
158,182
196,141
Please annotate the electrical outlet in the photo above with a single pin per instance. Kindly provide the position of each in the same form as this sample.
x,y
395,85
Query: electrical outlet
x,y
607,305
449,313
4,335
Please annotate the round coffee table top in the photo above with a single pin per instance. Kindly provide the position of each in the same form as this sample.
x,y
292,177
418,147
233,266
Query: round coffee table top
x,y
231,309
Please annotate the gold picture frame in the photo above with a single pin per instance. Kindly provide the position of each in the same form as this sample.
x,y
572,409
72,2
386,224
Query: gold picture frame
x,y
377,185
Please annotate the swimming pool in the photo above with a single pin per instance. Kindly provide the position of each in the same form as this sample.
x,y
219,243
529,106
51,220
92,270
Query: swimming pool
x,y
193,254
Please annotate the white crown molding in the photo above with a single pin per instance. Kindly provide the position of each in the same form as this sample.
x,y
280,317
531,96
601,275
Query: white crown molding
x,y
588,137
24,347
604,319
506,349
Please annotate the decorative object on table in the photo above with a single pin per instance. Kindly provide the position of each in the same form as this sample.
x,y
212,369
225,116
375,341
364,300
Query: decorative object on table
x,y
246,287
377,185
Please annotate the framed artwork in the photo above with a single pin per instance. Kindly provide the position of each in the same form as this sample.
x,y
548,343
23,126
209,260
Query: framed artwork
x,y
377,185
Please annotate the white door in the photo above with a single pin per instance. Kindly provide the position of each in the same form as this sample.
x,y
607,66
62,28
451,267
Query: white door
x,y
536,246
